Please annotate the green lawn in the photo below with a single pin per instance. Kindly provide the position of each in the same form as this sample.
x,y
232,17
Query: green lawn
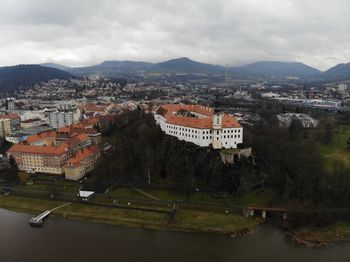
x,y
60,186
339,231
186,220
167,195
126,193
203,221
255,198
337,150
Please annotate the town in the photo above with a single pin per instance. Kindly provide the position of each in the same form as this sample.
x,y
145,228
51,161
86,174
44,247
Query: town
x,y
174,130
56,127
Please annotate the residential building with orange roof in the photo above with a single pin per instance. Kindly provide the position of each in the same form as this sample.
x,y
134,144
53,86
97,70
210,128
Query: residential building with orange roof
x,y
42,159
92,109
47,138
83,162
87,123
200,125
49,152
74,146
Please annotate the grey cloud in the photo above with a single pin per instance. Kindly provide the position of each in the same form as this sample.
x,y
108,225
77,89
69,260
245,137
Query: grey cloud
x,y
81,32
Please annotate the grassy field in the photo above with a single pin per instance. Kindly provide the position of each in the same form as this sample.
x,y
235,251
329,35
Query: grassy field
x,y
193,217
336,232
259,197
337,150
126,193
186,220
214,222
255,198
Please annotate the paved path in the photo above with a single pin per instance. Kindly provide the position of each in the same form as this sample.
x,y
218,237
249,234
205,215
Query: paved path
x,y
146,194
66,204
297,210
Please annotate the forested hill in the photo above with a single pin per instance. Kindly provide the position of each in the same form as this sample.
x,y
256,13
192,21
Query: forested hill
x,y
12,77
142,149
287,160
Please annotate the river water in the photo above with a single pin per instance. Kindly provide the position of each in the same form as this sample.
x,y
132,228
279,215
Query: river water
x,y
66,240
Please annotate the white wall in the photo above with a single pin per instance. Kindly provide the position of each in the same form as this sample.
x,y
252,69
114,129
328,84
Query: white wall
x,y
230,137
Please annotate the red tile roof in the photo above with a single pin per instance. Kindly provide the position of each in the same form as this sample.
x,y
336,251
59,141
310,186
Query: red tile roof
x,y
10,116
91,107
31,120
37,137
77,139
85,123
168,112
40,150
82,154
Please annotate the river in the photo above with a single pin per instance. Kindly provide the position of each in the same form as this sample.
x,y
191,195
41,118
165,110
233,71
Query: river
x,y
66,240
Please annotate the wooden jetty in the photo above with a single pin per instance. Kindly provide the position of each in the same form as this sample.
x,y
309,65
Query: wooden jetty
x,y
38,221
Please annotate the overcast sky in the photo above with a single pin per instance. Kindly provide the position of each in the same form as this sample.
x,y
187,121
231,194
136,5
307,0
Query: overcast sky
x,y
233,32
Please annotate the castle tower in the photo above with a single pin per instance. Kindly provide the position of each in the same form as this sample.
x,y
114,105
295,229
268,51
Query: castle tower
x,y
217,125
217,120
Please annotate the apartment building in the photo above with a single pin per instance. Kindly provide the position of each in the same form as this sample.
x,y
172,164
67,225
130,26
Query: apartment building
x,y
61,119
84,161
52,152
8,124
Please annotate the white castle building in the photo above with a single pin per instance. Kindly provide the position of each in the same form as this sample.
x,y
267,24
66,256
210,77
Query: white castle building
x,y
200,125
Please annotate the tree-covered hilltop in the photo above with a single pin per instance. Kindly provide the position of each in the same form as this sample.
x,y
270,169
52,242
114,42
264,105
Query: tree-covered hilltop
x,y
286,159
292,161
144,153
12,77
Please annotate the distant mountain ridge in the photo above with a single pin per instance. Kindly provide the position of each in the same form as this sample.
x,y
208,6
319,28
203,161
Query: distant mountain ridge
x,y
337,73
57,66
281,69
13,77
179,65
184,65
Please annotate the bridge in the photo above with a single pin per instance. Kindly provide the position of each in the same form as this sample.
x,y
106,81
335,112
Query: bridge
x,y
38,221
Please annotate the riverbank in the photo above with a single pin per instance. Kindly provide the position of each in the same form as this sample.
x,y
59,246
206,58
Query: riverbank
x,y
85,241
185,220
313,237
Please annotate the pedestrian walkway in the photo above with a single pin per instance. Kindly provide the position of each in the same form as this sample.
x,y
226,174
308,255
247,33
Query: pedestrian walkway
x,y
146,194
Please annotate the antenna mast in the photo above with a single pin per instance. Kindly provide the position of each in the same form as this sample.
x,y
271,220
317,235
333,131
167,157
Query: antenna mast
x,y
226,76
